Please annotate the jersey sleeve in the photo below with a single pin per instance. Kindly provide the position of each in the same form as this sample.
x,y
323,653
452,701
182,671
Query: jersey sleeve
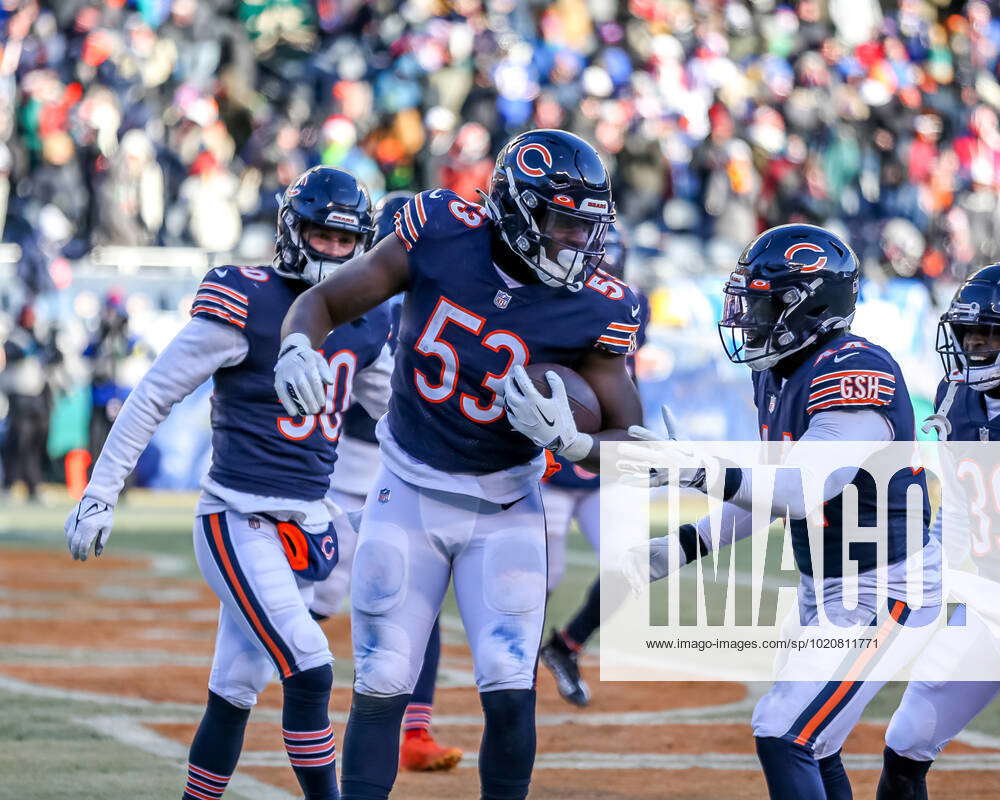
x,y
852,379
221,298
620,334
433,215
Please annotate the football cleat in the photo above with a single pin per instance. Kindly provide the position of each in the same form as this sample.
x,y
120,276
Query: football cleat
x,y
420,753
562,663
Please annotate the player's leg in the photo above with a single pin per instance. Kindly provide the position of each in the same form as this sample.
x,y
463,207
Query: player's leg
x,y
240,671
243,561
500,589
559,504
800,725
587,618
933,712
398,582
558,654
420,751
329,594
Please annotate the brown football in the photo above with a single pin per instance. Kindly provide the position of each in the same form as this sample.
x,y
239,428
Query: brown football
x,y
582,400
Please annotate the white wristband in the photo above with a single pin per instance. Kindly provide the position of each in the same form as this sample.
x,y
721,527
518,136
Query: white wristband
x,y
579,448
296,339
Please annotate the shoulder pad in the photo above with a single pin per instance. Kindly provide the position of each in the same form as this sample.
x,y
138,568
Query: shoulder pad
x,y
855,375
434,214
222,296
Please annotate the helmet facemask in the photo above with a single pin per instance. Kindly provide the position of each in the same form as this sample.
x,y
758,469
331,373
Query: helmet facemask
x,y
969,347
561,244
300,260
758,326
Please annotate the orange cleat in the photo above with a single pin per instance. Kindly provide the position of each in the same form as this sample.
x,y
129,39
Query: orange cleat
x,y
420,753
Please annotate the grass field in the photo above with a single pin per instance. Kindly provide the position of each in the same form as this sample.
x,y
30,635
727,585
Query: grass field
x,y
103,668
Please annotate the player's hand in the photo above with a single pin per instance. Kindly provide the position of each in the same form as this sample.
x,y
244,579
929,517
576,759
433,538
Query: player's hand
x,y
938,423
89,524
547,421
650,561
300,376
636,461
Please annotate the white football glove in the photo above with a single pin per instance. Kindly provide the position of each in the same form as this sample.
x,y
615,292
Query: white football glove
x,y
547,421
89,523
938,423
647,562
635,460
300,376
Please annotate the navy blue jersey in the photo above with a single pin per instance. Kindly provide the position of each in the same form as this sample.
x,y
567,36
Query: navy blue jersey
x,y
358,423
849,373
573,476
255,447
967,415
463,327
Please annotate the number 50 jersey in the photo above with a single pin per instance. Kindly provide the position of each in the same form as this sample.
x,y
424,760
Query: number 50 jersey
x,y
465,324
256,448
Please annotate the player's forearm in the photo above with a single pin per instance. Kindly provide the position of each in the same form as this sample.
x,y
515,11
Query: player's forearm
x,y
189,360
807,466
592,461
352,290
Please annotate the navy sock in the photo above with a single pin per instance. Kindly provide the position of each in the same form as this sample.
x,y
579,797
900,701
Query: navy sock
x,y
305,723
507,751
902,777
835,780
371,746
421,705
215,749
790,770
588,618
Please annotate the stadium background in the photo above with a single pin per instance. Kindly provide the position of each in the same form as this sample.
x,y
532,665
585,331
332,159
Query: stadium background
x,y
144,141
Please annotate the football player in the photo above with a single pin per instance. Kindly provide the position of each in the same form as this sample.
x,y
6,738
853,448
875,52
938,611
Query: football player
x,y
354,474
787,311
967,409
264,531
488,290
572,493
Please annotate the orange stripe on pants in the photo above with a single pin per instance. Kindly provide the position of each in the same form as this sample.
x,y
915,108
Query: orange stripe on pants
x,y
286,670
846,684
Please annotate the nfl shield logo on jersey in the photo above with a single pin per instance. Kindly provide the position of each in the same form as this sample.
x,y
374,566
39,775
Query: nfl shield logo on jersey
x,y
383,495
501,300
772,403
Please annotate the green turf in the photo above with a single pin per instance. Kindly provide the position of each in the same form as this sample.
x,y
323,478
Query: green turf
x,y
45,754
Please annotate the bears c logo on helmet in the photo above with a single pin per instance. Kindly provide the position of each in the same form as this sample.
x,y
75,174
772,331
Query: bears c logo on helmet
x,y
523,165
813,248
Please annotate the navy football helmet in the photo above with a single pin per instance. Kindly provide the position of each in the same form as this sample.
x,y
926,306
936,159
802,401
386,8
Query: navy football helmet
x,y
615,252
331,198
550,199
968,337
385,213
792,285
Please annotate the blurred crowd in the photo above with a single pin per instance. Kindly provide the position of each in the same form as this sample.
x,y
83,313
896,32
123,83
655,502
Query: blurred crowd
x,y
145,122
178,122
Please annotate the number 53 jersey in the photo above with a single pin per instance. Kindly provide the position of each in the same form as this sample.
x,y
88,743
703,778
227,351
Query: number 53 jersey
x,y
465,324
